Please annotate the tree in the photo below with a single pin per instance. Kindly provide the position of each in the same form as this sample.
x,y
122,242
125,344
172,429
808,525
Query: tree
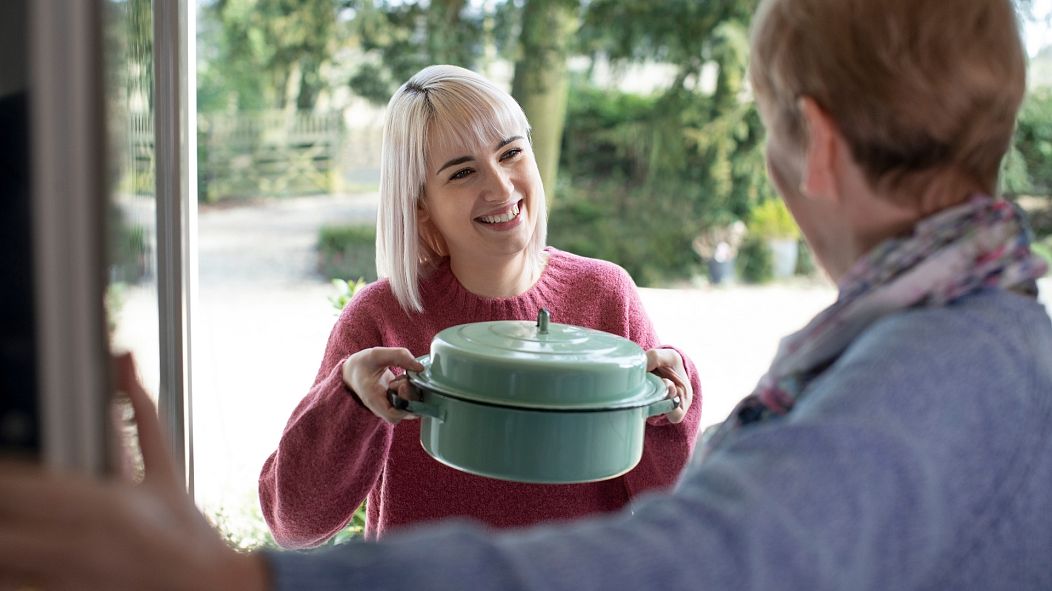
x,y
654,172
260,54
400,38
541,82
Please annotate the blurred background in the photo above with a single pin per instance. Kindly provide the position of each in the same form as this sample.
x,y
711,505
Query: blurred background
x,y
645,131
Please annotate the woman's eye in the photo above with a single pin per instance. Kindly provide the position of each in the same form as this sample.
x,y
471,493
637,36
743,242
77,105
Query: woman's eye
x,y
460,174
511,153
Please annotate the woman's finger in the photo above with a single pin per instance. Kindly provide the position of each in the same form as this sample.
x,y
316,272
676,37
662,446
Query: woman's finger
x,y
668,364
382,357
375,397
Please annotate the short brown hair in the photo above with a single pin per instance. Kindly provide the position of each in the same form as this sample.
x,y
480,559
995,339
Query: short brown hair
x,y
917,87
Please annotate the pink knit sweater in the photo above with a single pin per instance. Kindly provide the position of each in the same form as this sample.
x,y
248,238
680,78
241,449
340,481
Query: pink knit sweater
x,y
334,452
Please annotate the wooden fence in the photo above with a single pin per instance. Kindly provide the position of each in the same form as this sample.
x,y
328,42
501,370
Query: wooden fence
x,y
258,154
267,154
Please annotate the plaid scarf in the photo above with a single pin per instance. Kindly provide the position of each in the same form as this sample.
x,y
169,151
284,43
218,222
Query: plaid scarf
x,y
982,243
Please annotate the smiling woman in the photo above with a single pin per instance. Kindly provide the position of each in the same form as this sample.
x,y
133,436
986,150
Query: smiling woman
x,y
460,239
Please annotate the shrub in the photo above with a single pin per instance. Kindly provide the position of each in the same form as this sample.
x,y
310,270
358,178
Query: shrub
x,y
347,251
771,219
805,261
646,175
643,231
754,260
1033,144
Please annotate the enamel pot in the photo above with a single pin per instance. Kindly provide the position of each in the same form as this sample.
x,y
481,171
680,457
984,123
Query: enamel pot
x,y
535,402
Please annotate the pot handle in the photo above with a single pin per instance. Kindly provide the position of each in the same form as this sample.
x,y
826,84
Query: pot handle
x,y
415,407
663,406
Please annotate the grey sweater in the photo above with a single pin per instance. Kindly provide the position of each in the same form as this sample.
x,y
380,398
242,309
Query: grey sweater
x,y
921,459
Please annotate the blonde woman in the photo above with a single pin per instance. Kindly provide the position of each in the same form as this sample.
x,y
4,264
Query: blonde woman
x,y
460,238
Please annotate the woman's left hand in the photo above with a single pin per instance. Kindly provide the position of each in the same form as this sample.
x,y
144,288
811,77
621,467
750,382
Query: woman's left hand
x,y
668,364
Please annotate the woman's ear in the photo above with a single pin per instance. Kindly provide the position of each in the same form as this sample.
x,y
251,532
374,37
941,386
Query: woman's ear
x,y
824,147
428,232
422,215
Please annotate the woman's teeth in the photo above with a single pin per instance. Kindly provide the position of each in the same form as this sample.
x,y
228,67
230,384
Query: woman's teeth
x,y
504,217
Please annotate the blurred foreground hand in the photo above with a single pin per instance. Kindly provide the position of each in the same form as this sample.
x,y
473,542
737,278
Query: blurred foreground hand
x,y
65,531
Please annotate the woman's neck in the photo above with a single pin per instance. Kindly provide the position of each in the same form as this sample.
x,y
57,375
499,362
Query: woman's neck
x,y
497,277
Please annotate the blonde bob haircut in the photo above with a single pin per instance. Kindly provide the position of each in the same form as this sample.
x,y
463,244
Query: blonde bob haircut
x,y
447,104
918,88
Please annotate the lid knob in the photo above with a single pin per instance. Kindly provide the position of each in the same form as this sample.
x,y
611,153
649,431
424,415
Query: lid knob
x,y
543,316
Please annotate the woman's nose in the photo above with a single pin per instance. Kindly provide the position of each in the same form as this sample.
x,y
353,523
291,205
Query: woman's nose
x,y
500,186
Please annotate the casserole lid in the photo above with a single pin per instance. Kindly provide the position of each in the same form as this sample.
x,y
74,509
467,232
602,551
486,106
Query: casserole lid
x,y
540,364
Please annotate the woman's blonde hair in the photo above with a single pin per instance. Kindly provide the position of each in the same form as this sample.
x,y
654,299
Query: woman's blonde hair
x,y
919,88
454,105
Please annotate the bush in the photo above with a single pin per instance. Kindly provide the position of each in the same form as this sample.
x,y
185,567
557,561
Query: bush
x,y
771,219
347,251
643,176
1033,145
805,261
754,260
644,232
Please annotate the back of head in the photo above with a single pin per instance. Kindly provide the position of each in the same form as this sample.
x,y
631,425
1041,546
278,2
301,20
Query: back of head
x,y
920,89
439,104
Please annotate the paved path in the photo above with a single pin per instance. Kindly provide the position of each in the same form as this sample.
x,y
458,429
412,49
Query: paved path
x,y
263,317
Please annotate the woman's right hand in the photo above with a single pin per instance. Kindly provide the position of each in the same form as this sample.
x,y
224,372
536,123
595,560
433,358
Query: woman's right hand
x,y
367,373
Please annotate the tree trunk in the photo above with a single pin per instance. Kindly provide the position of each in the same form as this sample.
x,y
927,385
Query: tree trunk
x,y
541,81
443,24
311,84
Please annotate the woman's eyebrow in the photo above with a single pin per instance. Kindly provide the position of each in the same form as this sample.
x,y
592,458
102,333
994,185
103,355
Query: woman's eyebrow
x,y
454,162
463,159
505,142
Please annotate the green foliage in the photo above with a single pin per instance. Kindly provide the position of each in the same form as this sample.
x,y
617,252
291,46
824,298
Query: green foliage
x,y
347,251
650,174
754,260
1028,167
254,51
242,527
401,37
672,31
1043,249
354,529
345,290
771,219
642,231
653,173
805,260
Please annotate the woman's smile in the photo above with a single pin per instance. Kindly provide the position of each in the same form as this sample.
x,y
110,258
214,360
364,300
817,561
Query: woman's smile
x,y
504,218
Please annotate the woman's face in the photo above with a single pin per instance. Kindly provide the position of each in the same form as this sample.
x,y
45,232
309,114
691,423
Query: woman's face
x,y
483,200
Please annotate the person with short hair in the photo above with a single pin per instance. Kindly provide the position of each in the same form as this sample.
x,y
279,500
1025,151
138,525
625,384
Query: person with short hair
x,y
460,238
900,440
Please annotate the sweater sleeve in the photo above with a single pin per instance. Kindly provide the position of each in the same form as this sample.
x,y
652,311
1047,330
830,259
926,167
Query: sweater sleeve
x,y
667,447
332,449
